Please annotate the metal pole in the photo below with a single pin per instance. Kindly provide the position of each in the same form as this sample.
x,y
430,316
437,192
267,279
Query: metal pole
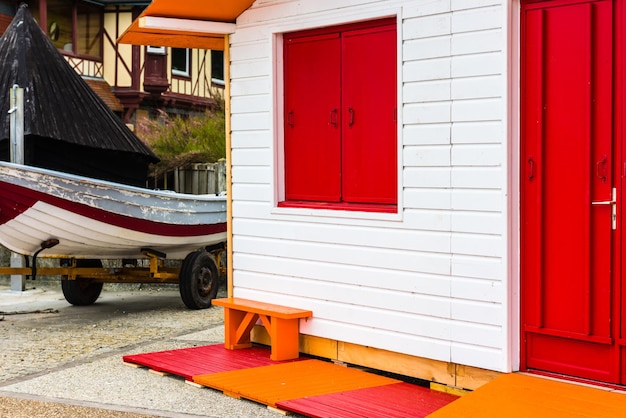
x,y
16,110
17,124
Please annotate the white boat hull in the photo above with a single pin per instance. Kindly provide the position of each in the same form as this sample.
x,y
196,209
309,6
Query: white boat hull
x,y
98,219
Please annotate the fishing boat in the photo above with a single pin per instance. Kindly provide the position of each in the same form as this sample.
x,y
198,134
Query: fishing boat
x,y
73,191
94,218
83,221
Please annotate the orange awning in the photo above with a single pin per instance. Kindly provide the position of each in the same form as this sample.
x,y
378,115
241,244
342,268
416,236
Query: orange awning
x,y
198,24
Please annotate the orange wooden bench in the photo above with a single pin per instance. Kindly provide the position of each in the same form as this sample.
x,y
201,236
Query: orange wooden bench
x,y
281,323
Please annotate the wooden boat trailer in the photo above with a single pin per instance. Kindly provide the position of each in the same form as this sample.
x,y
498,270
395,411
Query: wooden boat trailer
x,y
198,277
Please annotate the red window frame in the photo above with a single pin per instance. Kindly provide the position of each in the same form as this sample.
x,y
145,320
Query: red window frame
x,y
340,117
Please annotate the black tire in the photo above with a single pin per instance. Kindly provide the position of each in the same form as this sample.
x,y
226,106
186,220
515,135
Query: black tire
x,y
81,292
198,280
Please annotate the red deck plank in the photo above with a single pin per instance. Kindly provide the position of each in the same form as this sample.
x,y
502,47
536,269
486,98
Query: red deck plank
x,y
401,400
194,361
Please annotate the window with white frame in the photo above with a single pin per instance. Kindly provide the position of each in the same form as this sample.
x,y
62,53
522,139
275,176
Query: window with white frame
x,y
181,62
217,67
158,50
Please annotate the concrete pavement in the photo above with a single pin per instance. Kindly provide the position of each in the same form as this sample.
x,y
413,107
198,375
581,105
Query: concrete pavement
x,y
62,360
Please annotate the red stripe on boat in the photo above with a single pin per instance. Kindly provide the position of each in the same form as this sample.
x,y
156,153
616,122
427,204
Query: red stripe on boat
x,y
15,200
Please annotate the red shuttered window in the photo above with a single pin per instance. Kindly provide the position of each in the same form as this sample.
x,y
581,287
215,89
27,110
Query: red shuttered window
x,y
340,148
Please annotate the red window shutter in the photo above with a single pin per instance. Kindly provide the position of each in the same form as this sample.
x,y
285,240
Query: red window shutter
x,y
312,118
369,135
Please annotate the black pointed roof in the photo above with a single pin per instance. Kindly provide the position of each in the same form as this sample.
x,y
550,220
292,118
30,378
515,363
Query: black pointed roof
x,y
61,111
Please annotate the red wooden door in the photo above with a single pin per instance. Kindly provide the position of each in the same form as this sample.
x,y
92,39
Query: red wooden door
x,y
571,309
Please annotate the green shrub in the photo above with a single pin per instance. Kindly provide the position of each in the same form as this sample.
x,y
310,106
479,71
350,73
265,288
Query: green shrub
x,y
183,140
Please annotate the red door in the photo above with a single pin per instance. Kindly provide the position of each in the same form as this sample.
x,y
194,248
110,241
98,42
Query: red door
x,y
571,221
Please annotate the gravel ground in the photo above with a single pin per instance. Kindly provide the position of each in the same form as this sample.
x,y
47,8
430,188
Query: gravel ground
x,y
58,360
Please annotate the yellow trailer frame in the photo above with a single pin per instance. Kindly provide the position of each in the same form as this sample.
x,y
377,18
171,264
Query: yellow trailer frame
x,y
190,276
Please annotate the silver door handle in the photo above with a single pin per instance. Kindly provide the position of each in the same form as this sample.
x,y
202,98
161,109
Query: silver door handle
x,y
604,202
613,203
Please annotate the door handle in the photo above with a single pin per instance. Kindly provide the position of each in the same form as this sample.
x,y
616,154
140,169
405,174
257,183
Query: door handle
x,y
290,118
613,203
333,118
601,169
607,202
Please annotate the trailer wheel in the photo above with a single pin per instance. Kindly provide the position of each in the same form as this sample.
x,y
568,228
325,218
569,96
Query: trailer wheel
x,y
81,292
198,280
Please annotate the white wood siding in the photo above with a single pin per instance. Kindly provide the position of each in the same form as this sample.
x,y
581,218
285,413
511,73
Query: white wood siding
x,y
433,280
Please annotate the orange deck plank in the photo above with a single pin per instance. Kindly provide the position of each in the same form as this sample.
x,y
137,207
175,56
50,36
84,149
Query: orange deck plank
x,y
271,384
517,395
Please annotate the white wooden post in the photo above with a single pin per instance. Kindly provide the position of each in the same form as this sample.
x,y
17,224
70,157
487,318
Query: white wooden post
x,y
16,110
177,181
222,177
195,179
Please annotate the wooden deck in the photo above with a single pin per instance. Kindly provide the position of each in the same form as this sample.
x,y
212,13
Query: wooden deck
x,y
307,386
317,388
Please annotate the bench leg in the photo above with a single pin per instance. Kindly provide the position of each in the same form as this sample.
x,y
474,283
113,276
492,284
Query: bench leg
x,y
285,341
237,327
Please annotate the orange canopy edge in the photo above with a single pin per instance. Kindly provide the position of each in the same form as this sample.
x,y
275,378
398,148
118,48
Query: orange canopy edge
x,y
173,14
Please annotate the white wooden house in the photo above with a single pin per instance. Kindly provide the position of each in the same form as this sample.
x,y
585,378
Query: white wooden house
x,y
488,239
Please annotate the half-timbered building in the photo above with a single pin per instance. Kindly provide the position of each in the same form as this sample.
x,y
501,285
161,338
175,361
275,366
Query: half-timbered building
x,y
133,80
